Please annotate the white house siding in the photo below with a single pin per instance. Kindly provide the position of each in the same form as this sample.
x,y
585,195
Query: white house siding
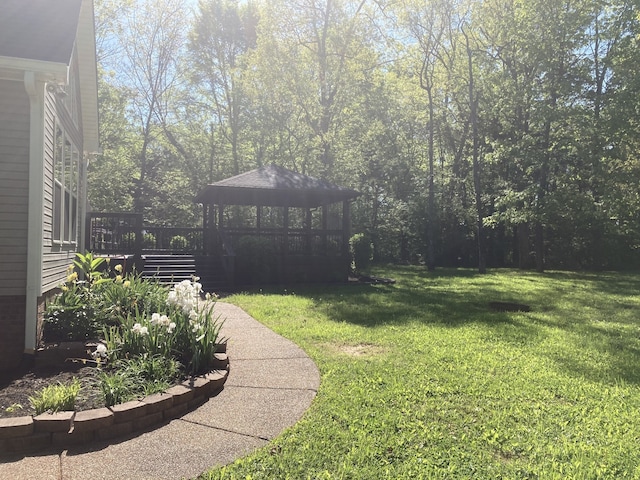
x,y
14,180
56,257
14,186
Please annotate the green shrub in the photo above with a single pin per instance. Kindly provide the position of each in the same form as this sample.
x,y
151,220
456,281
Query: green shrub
x,y
257,259
149,241
178,243
85,307
70,318
128,240
56,398
72,315
361,249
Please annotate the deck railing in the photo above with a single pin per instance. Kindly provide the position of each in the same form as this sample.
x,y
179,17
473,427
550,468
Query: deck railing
x,y
114,233
125,234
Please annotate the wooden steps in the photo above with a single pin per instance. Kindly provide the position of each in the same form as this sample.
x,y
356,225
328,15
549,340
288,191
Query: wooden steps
x,y
172,269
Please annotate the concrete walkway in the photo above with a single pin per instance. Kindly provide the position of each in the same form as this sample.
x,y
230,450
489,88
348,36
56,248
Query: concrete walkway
x,y
271,384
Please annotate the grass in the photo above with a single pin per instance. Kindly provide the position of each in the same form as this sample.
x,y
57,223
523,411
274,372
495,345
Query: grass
x,y
422,380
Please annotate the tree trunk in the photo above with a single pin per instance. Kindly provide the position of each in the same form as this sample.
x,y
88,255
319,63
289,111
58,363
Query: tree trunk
x,y
522,232
473,116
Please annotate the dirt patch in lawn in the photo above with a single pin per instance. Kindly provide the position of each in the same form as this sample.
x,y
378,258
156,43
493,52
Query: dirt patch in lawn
x,y
358,350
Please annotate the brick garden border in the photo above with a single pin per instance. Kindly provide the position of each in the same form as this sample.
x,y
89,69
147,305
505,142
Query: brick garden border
x,y
30,434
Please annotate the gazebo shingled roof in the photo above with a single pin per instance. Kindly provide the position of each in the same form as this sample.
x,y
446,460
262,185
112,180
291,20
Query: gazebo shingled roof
x,y
273,185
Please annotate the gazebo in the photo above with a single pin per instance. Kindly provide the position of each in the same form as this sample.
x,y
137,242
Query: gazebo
x,y
273,225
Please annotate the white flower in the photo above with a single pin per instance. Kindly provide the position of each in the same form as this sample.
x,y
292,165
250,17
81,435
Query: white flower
x,y
155,318
101,351
171,327
196,327
164,321
140,330
172,298
185,295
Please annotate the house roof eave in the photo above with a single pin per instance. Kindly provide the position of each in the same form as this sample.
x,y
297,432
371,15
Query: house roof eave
x,y
45,71
86,49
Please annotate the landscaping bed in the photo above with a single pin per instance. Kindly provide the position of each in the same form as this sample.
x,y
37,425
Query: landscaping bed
x,y
156,354
62,429
15,389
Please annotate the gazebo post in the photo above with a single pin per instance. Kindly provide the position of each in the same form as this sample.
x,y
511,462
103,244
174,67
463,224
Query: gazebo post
x,y
221,217
346,227
258,218
205,229
325,214
285,256
307,228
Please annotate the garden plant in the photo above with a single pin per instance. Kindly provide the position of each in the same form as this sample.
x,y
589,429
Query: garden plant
x,y
148,336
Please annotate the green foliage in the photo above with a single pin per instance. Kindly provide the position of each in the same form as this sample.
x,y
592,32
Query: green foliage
x,y
56,398
84,307
185,328
330,90
256,260
116,387
149,241
128,295
178,243
421,379
139,376
90,268
14,407
70,317
149,335
361,248
74,313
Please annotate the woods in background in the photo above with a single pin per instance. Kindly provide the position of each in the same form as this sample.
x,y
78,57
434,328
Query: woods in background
x,y
480,133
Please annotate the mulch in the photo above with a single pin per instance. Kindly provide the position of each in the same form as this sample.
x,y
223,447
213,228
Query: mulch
x,y
18,386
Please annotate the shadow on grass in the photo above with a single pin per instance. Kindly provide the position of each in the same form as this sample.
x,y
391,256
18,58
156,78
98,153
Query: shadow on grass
x,y
592,308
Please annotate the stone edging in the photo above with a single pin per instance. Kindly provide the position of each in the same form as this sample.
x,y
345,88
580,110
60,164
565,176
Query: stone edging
x,y
29,434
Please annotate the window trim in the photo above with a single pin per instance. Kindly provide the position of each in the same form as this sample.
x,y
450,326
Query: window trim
x,y
66,188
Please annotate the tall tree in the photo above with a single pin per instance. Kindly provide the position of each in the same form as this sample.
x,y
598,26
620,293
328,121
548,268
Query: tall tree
x,y
152,38
224,31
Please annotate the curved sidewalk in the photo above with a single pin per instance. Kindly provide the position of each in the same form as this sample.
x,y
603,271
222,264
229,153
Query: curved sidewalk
x,y
271,384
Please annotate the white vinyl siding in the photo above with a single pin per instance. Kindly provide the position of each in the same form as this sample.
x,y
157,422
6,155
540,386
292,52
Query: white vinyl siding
x,y
14,186
62,211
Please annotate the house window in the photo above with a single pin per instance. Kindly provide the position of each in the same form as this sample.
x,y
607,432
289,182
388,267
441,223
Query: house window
x,y
70,99
66,164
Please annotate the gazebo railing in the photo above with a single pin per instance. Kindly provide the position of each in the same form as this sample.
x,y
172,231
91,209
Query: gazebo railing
x,y
293,242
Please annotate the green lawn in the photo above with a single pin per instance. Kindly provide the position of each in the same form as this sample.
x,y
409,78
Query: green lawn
x,y
422,380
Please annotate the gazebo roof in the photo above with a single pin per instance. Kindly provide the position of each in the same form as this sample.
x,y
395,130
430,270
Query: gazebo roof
x,y
273,185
